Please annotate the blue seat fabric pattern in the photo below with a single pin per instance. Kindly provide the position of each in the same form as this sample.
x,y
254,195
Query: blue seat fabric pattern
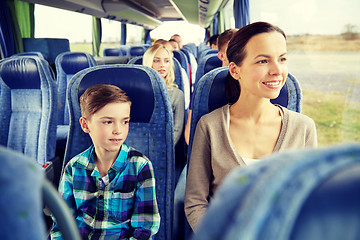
x,y
263,201
206,64
28,104
20,202
151,124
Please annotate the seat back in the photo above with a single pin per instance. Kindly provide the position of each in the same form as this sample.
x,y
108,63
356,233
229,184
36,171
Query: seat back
x,y
205,52
151,124
210,94
113,51
49,47
28,105
22,199
206,64
67,64
137,50
304,194
181,57
38,54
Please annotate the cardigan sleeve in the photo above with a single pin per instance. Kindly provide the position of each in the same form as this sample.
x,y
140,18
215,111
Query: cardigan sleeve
x,y
199,177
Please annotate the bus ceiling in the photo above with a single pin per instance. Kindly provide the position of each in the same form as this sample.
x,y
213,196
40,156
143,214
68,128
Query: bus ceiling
x,y
146,13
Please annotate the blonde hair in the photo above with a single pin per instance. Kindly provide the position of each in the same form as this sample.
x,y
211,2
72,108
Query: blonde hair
x,y
148,61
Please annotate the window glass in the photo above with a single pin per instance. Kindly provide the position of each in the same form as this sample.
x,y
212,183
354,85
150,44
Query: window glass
x,y
324,55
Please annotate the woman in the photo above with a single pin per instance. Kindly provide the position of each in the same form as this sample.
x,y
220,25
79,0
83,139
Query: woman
x,y
251,127
159,58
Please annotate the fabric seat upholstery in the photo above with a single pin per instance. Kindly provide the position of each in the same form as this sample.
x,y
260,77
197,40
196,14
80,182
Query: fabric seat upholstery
x,y
28,105
279,198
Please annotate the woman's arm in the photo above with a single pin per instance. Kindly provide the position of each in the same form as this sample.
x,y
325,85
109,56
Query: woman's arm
x,y
199,177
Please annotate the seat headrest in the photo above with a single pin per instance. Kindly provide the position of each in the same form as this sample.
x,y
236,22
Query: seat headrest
x,y
137,51
21,73
134,81
212,63
74,62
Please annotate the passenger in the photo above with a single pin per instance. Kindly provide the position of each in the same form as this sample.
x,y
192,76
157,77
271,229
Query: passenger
x,y
178,39
222,43
159,58
110,187
213,41
174,44
166,44
251,127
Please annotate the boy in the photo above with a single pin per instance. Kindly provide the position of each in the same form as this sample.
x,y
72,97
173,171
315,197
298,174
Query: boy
x,y
110,187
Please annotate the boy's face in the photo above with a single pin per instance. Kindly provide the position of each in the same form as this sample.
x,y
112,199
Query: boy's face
x,y
108,127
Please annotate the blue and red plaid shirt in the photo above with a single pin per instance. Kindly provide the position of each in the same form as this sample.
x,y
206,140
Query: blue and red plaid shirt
x,y
121,205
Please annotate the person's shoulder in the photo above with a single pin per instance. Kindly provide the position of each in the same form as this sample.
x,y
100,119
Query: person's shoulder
x,y
136,156
215,114
298,118
81,160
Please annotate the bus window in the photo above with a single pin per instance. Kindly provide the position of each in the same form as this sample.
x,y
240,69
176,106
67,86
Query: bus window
x,y
324,55
57,23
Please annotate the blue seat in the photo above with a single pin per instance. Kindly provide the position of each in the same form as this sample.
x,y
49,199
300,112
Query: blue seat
x,y
67,64
136,60
205,52
38,54
49,47
304,194
24,191
151,124
206,64
113,51
137,50
28,107
124,50
181,57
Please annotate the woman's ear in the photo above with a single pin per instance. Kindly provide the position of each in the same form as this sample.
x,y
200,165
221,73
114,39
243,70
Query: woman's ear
x,y
234,70
84,125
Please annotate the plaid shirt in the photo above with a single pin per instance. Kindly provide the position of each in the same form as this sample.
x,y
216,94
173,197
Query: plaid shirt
x,y
121,205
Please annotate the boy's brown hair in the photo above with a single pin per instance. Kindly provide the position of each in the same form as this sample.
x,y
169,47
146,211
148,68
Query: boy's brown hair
x,y
97,96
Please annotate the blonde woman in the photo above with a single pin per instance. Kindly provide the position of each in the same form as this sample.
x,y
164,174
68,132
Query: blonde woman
x,y
159,58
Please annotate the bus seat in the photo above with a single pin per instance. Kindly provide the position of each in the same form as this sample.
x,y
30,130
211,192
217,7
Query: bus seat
x,y
151,124
300,194
124,50
67,64
192,48
24,191
38,54
49,47
180,56
28,105
206,64
206,52
137,50
113,51
192,62
136,60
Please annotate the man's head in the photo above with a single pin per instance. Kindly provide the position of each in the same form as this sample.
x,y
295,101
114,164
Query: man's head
x,y
178,39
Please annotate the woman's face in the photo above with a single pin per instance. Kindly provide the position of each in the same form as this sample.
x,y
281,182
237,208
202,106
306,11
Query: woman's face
x,y
161,62
263,71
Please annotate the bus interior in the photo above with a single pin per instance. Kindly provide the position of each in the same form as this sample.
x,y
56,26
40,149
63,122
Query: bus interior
x,y
52,50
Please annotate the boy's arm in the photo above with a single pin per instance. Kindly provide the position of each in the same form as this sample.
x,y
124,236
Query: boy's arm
x,y
145,219
66,192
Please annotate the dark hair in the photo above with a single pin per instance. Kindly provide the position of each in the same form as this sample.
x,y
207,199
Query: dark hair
x,y
213,39
97,96
236,52
225,37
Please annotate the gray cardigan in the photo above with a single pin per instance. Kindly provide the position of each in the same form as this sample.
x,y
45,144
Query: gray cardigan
x,y
178,108
213,154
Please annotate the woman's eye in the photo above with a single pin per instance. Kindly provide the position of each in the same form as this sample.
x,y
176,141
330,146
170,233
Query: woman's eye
x,y
283,59
156,61
107,122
